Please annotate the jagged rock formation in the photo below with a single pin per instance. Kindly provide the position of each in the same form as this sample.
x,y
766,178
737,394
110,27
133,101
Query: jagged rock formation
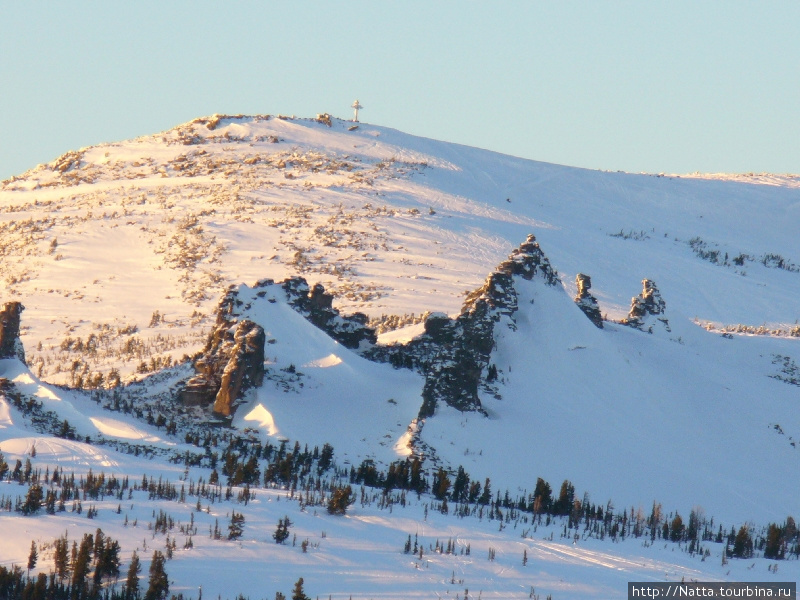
x,y
453,354
245,367
231,363
647,304
586,302
460,361
316,305
233,359
10,344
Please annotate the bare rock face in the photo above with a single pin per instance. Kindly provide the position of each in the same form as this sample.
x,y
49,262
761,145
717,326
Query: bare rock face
x,y
231,363
586,302
10,344
647,308
454,354
245,366
316,305
233,359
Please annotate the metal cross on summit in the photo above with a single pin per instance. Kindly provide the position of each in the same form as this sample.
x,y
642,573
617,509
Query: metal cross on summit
x,y
356,105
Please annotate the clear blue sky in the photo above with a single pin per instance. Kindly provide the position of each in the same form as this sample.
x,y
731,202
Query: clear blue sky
x,y
673,86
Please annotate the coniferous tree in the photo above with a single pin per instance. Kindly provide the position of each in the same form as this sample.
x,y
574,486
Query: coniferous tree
x,y
441,484
158,587
132,580
743,543
61,557
486,495
33,500
236,527
542,496
297,592
340,499
80,568
460,486
33,557
282,532
774,548
676,529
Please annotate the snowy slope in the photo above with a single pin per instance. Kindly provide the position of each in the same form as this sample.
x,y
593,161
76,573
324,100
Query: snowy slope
x,y
120,252
318,391
391,223
682,417
359,555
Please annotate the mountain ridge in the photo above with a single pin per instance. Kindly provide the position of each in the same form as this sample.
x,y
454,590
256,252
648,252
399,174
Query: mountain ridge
x,y
384,222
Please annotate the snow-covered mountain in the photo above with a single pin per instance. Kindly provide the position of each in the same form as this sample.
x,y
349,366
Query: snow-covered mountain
x,y
497,332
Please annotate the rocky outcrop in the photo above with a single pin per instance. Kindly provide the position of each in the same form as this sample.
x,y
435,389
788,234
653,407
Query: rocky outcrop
x,y
453,354
10,344
586,302
244,369
461,361
647,308
233,359
316,305
231,363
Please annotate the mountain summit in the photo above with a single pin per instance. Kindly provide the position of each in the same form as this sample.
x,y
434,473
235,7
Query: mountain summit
x,y
351,262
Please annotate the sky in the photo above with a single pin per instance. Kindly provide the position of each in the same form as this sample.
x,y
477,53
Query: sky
x,y
659,86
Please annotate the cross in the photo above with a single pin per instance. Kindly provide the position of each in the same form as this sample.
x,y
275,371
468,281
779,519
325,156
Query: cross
x,y
356,106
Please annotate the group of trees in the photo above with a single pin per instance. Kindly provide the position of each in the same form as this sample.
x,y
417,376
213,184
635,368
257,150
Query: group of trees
x,y
84,572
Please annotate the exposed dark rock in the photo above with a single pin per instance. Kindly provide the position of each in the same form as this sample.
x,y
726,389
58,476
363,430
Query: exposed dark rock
x,y
10,344
317,306
648,303
244,369
586,302
453,354
231,363
233,359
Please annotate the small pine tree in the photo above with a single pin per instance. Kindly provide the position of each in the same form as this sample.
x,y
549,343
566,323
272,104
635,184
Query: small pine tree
x,y
80,568
340,499
282,532
236,527
775,547
132,580
61,557
33,500
159,582
743,543
297,592
32,557
677,529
